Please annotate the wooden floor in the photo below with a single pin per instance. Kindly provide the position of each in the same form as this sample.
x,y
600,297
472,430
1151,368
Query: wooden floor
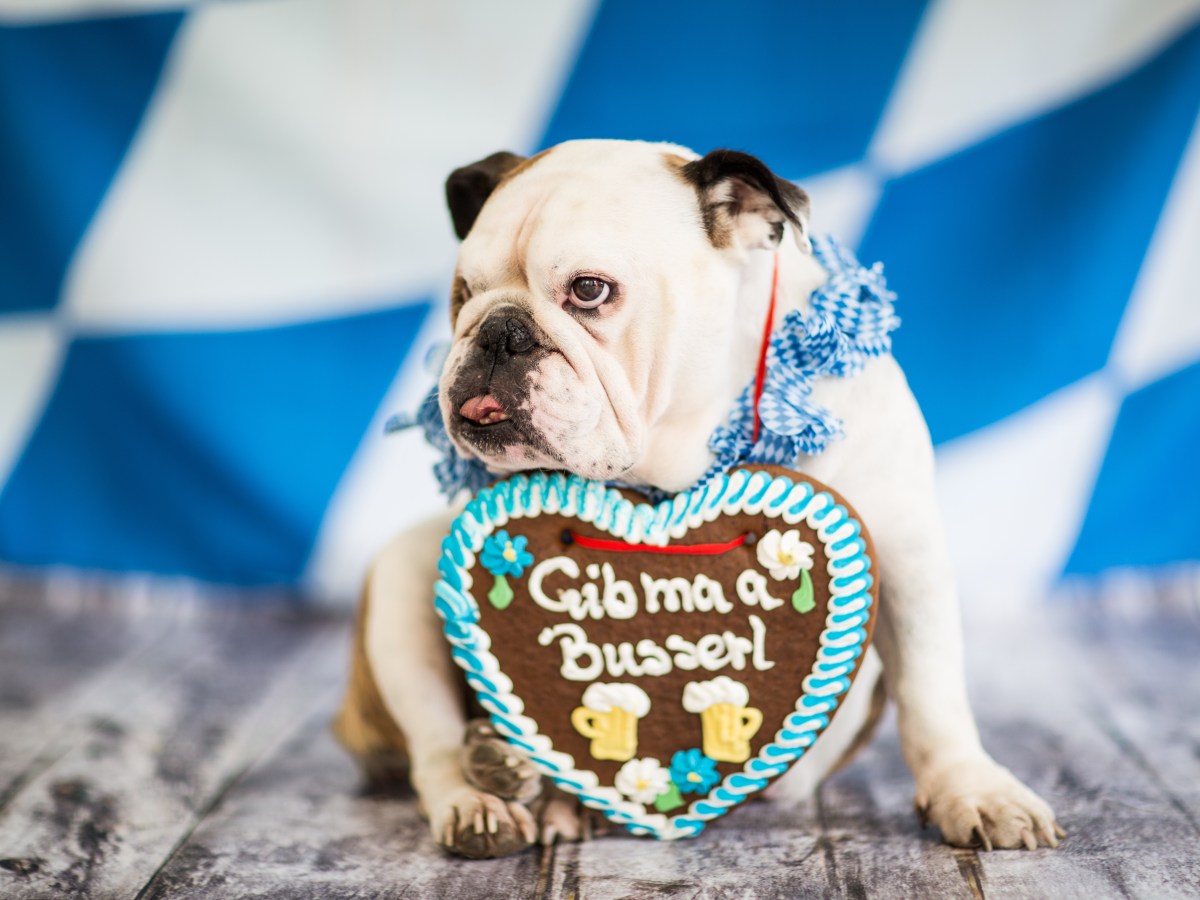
x,y
148,749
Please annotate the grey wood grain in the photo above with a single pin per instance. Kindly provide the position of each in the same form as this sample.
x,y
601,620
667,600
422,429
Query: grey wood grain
x,y
763,850
169,756
851,841
298,825
172,730
1050,719
54,664
876,845
1144,679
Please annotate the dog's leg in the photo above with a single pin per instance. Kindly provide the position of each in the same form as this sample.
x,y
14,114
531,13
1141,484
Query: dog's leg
x,y
972,799
421,689
363,725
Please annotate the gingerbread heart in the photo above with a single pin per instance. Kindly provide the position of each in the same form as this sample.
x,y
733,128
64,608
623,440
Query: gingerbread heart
x,y
661,662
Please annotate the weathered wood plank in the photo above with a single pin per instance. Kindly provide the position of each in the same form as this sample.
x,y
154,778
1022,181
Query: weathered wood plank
x,y
1126,837
875,842
44,652
173,730
298,825
765,850
859,838
194,761
53,663
272,838
1144,693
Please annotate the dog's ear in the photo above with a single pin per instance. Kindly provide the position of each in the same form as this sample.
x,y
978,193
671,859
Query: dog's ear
x,y
745,203
468,188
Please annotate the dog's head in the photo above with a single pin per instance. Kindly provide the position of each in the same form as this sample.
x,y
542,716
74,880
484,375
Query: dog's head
x,y
595,307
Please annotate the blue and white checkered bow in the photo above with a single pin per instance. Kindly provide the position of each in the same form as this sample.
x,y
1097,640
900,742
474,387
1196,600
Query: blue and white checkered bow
x,y
850,319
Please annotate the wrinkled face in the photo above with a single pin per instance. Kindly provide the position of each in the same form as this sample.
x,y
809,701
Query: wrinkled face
x,y
590,307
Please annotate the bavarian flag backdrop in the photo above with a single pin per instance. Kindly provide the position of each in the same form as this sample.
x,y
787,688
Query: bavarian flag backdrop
x,y
223,252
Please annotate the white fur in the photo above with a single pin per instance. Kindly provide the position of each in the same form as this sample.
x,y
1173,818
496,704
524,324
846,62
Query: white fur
x,y
635,395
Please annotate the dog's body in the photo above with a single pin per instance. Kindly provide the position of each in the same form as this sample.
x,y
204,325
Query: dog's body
x,y
608,309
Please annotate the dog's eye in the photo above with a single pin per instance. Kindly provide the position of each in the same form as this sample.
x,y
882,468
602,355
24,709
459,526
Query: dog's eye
x,y
588,292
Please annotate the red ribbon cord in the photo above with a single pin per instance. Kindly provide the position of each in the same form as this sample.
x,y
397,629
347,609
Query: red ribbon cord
x,y
591,543
760,377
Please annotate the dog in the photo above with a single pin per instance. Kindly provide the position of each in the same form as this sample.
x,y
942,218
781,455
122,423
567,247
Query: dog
x,y
607,310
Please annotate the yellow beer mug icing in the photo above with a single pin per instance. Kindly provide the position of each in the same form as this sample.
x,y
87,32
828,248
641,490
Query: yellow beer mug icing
x,y
609,719
727,720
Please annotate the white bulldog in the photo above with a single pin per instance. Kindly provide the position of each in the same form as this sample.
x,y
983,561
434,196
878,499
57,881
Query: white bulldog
x,y
608,308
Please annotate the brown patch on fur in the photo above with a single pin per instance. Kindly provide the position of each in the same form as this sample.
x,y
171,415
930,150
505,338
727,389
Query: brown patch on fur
x,y
363,725
720,233
735,189
459,294
719,223
716,220
869,726
520,167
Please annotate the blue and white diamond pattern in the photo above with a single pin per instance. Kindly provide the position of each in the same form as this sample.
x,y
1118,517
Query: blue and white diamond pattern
x,y
223,252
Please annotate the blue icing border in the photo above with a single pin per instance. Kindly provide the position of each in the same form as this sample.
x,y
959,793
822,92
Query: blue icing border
x,y
842,640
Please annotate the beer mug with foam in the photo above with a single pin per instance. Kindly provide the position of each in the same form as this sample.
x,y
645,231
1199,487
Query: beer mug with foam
x,y
727,721
609,719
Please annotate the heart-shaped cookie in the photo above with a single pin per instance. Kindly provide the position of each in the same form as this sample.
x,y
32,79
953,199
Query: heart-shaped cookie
x,y
661,662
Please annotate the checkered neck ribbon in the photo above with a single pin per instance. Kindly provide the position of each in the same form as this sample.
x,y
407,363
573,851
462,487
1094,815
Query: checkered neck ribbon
x,y
849,320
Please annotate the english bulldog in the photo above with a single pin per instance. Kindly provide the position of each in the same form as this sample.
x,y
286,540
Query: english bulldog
x,y
607,309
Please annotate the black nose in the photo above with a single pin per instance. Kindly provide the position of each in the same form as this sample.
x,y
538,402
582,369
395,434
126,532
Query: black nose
x,y
505,334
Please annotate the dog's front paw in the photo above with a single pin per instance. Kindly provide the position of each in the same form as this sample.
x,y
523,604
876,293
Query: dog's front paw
x,y
492,764
561,817
479,825
977,803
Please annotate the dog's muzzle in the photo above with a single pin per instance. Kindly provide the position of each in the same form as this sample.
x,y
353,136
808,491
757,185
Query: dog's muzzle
x,y
492,387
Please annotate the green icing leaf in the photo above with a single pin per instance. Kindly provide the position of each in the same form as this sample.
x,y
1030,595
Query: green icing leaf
x,y
501,594
669,799
802,600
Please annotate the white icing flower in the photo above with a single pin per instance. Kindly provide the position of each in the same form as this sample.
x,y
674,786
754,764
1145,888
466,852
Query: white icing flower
x,y
784,555
642,780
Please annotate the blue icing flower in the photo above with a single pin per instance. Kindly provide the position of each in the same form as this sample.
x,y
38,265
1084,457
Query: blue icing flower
x,y
693,772
503,555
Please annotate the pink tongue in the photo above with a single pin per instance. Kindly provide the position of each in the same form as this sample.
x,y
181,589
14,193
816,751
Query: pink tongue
x,y
477,408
